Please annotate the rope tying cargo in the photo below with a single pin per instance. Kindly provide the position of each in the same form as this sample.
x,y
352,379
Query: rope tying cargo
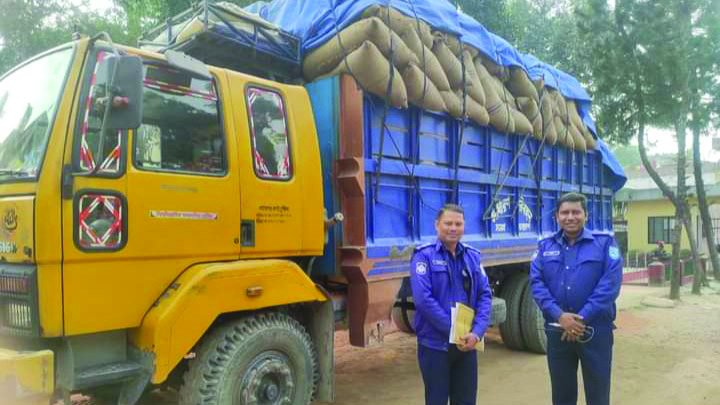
x,y
456,185
388,93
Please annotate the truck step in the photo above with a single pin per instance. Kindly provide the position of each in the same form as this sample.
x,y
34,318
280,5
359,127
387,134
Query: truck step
x,y
106,374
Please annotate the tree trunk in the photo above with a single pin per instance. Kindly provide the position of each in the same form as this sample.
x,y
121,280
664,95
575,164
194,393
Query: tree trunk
x,y
680,83
707,227
676,276
682,215
669,194
698,274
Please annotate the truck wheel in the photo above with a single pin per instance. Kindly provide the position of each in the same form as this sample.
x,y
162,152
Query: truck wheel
x,y
512,292
403,314
532,324
264,358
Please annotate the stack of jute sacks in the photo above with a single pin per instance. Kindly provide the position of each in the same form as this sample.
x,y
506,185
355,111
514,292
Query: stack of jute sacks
x,y
403,60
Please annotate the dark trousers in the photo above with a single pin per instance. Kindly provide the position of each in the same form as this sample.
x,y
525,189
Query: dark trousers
x,y
595,358
451,374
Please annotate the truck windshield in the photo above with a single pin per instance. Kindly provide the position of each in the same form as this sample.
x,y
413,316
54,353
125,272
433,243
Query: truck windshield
x,y
29,97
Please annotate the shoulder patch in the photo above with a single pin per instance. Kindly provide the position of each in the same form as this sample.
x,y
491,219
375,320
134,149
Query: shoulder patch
x,y
614,253
421,268
423,246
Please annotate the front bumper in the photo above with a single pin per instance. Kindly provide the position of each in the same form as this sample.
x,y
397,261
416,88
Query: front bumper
x,y
26,378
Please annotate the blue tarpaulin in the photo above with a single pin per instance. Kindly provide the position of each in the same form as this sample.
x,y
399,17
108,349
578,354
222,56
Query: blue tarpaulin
x,y
316,21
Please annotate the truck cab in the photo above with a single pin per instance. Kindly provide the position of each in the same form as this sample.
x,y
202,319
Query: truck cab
x,y
144,201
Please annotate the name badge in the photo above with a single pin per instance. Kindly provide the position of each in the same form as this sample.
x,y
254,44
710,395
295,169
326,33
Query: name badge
x,y
551,253
438,262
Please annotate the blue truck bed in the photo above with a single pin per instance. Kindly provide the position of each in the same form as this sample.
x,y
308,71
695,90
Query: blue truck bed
x,y
390,187
507,184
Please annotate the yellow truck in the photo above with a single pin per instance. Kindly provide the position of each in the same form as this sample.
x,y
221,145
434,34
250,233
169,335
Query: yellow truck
x,y
124,255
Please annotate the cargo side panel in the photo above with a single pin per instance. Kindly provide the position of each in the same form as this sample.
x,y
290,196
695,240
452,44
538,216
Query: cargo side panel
x,y
390,170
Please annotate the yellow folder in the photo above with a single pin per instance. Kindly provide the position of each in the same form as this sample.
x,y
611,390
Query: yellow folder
x,y
462,317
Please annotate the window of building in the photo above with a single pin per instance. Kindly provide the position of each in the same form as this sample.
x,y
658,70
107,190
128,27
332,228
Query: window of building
x,y
661,229
181,129
269,133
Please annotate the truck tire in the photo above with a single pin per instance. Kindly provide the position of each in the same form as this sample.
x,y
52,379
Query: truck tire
x,y
403,315
498,314
265,358
512,292
532,324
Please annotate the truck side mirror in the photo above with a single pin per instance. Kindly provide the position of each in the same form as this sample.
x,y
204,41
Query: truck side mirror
x,y
127,90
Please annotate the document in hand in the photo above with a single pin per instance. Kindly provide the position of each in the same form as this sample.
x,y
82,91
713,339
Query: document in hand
x,y
462,317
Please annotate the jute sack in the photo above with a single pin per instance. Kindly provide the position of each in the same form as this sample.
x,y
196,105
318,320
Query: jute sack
x,y
427,60
578,138
522,124
474,110
589,140
401,23
564,136
421,90
453,103
520,85
546,111
473,52
502,91
491,96
453,43
472,79
195,26
580,125
574,116
450,63
493,68
530,108
372,71
559,106
328,55
501,118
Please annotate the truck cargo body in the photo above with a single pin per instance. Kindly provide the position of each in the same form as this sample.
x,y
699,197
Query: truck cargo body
x,y
391,185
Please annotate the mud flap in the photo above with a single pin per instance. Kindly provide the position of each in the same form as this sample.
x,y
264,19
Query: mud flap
x,y
322,332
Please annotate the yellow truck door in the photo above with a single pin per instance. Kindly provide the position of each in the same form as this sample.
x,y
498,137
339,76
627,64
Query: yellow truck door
x,y
163,198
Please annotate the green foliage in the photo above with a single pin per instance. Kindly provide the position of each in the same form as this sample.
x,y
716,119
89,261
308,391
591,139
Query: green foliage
x,y
627,155
640,55
143,15
492,14
29,27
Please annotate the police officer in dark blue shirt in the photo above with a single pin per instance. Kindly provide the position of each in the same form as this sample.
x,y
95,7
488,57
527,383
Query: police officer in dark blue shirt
x,y
575,277
443,273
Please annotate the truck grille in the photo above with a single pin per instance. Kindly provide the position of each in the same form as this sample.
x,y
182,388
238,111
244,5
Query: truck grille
x,y
18,301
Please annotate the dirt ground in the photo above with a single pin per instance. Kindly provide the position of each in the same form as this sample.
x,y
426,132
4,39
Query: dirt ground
x,y
662,356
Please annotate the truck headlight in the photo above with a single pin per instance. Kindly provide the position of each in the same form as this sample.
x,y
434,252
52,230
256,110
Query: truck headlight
x,y
18,315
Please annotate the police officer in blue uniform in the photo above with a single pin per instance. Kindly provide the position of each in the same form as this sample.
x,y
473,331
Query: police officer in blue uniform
x,y
575,277
443,273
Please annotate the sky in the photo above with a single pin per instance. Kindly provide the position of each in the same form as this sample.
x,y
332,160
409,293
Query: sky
x,y
662,141
100,4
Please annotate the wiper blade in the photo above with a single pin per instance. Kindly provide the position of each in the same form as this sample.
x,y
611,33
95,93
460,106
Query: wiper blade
x,y
14,172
